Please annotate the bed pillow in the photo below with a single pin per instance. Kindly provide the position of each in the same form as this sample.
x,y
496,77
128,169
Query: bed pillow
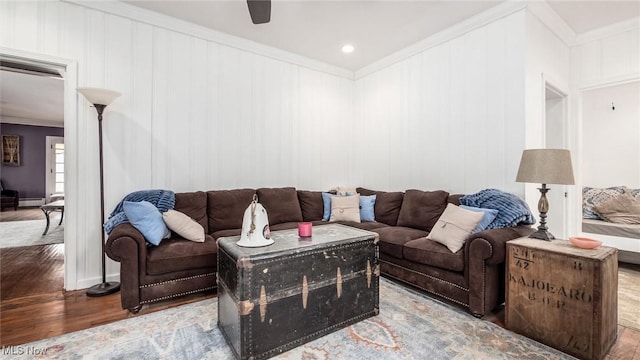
x,y
487,218
183,225
145,217
345,208
454,226
623,209
595,196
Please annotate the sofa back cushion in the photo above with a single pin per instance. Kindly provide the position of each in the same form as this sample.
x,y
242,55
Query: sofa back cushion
x,y
281,204
225,208
311,205
387,206
194,205
421,209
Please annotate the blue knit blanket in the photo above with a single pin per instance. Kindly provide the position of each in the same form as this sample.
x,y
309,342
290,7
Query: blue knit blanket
x,y
163,199
512,210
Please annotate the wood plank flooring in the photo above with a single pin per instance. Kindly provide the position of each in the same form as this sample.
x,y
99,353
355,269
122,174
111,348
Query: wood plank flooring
x,y
34,306
23,213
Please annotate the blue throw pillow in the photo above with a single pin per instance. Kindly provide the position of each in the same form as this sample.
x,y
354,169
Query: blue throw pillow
x,y
326,200
145,217
489,216
367,205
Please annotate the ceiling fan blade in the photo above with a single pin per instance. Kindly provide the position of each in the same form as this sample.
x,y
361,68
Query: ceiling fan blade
x,y
260,11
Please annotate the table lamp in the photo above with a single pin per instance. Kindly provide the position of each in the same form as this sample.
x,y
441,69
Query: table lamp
x,y
545,166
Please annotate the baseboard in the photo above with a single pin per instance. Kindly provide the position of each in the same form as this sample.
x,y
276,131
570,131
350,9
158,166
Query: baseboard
x,y
629,257
26,202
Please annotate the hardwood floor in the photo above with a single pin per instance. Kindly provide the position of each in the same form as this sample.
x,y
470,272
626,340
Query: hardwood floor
x,y
23,213
34,306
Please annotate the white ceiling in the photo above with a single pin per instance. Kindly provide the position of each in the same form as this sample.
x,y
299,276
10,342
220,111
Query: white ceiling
x,y
315,29
31,99
377,28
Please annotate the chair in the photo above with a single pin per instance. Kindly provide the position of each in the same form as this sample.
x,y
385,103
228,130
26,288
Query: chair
x,y
9,198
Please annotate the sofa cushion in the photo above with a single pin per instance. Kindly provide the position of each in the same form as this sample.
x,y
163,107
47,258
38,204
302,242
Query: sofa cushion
x,y
454,226
366,225
428,252
345,208
311,205
281,204
387,207
194,205
179,254
367,207
393,238
146,217
421,209
487,218
225,208
183,225
227,232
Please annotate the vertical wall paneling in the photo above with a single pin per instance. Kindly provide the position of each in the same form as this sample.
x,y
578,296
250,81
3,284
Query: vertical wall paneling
x,y
449,117
199,149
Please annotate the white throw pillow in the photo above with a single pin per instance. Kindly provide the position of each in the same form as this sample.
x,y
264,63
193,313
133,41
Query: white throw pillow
x,y
345,208
454,226
183,225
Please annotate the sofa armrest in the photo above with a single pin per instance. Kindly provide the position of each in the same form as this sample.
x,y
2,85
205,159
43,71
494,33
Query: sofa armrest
x,y
126,242
491,245
127,245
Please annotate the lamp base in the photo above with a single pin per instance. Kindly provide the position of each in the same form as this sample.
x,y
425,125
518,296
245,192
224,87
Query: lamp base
x,y
542,235
103,289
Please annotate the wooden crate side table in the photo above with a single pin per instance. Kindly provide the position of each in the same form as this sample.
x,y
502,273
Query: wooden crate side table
x,y
563,296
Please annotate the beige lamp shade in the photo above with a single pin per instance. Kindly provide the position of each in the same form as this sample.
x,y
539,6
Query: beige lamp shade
x,y
546,166
99,96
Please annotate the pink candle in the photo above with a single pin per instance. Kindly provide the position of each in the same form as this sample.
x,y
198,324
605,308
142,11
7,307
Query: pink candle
x,y
304,229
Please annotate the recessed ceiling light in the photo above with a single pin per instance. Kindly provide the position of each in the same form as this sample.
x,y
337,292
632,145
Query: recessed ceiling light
x,y
348,49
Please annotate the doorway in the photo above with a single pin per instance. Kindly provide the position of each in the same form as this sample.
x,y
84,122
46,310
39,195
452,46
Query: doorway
x,y
555,125
33,107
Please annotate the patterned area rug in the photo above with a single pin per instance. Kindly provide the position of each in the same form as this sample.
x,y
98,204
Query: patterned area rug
x,y
410,326
29,232
629,296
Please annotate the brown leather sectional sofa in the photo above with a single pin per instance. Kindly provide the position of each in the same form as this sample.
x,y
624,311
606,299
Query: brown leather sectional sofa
x,y
473,277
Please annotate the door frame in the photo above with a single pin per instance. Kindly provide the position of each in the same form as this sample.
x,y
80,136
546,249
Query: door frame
x,y
50,164
566,207
68,69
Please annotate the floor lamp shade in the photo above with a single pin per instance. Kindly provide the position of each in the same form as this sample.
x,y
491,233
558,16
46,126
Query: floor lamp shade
x,y
545,166
100,98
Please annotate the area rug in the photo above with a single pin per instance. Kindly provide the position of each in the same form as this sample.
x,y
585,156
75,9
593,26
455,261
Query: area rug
x,y
629,297
410,326
29,233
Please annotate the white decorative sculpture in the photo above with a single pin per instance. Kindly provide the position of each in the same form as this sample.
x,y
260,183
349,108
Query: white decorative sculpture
x,y
255,226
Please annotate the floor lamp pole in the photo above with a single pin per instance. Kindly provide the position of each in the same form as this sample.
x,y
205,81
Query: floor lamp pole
x,y
105,288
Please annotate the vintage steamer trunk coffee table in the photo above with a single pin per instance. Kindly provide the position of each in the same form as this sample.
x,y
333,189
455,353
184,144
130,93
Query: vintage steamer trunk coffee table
x,y
274,298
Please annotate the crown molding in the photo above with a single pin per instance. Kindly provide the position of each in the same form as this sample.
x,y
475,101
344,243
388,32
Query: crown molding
x,y
553,21
135,13
490,15
31,122
606,31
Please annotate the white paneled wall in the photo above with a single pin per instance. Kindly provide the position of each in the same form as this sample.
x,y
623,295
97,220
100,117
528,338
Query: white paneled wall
x,y
194,115
448,118
607,56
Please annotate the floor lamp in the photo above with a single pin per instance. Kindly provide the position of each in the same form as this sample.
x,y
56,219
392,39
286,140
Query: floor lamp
x,y
100,98
545,166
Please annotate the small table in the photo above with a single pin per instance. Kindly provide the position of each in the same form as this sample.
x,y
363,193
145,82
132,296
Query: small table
x,y
274,298
51,207
563,296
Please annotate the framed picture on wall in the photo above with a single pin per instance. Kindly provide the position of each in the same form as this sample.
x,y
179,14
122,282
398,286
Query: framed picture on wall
x,y
11,150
